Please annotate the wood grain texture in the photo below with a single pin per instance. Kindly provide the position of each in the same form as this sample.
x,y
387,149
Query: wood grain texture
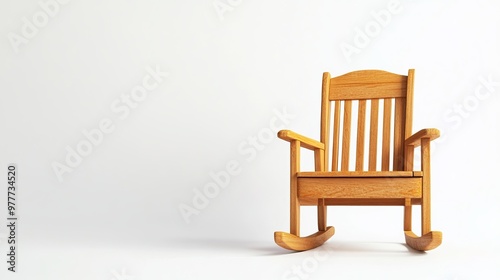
x,y
305,142
372,156
426,242
409,103
360,141
304,201
408,161
325,116
346,135
407,215
354,174
296,243
426,185
399,131
336,137
294,197
426,133
386,134
367,84
396,185
322,214
360,188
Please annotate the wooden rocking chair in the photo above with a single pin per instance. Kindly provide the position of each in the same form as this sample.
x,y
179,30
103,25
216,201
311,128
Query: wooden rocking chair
x,y
373,183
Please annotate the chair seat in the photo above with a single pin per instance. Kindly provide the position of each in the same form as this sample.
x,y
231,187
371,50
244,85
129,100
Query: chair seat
x,y
365,174
365,185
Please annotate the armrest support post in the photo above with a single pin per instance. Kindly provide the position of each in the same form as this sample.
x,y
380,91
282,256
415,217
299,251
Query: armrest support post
x,y
296,142
305,142
420,138
430,133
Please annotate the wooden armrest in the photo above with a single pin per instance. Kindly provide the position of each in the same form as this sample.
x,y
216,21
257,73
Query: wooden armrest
x,y
414,140
305,142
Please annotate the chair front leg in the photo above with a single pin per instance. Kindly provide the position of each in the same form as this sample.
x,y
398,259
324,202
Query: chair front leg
x,y
294,198
426,186
321,214
407,214
319,163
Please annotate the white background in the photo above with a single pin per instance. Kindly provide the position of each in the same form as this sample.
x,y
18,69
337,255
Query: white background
x,y
232,65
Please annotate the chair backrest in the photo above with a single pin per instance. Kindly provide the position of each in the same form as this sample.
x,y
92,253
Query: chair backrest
x,y
372,109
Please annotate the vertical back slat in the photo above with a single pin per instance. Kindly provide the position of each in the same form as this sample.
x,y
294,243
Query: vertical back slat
x,y
325,118
399,122
372,160
346,135
385,147
409,103
386,134
408,164
360,144
336,136
408,161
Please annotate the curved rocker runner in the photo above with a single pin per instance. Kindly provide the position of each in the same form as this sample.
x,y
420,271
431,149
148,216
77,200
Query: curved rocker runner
x,y
381,176
295,243
426,242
